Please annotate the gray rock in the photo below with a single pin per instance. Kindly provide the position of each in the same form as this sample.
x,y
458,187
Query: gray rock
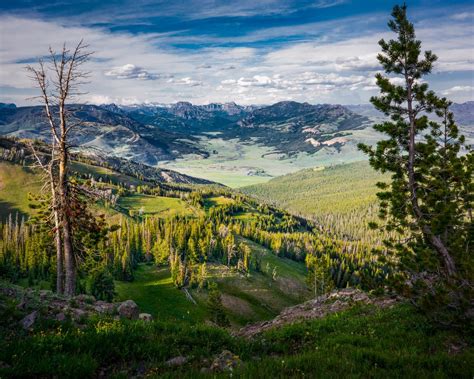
x,y
28,321
44,294
145,317
83,298
225,361
176,361
103,307
78,314
128,309
61,317
22,305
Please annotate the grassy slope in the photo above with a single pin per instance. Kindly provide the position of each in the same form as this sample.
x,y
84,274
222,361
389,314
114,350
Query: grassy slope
x,y
155,293
257,296
216,201
105,174
246,298
363,342
341,197
17,181
155,205
15,184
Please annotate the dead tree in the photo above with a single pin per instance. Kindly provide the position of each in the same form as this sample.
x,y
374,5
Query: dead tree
x,y
49,180
59,83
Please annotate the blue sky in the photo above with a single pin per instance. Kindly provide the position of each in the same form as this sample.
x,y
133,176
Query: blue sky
x,y
247,51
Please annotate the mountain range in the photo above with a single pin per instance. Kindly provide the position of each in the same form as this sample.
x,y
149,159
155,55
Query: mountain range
x,y
155,133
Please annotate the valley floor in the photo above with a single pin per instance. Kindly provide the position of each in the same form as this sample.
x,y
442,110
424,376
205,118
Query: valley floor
x,y
237,163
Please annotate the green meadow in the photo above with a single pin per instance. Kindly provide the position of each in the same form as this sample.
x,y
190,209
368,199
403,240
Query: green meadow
x,y
154,205
16,182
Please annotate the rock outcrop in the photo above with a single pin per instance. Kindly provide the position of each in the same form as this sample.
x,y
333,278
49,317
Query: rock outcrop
x,y
320,307
128,309
145,317
176,361
36,305
29,320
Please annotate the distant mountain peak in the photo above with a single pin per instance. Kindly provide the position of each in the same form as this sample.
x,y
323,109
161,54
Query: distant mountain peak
x,y
7,106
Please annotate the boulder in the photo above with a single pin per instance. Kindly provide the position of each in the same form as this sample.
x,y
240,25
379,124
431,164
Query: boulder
x,y
44,294
145,317
83,298
78,314
22,305
128,309
176,361
60,317
225,361
28,321
103,307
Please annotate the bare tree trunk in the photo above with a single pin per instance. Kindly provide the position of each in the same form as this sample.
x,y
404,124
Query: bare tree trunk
x,y
57,230
435,241
69,259
67,77
50,170
59,255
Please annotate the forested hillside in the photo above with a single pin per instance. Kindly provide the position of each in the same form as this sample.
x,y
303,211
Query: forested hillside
x,y
340,198
153,241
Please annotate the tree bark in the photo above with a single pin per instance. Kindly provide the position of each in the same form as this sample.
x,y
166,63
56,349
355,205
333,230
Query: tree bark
x,y
69,259
57,237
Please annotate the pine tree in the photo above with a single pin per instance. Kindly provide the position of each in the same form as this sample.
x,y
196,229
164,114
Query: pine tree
x,y
216,309
430,193
101,284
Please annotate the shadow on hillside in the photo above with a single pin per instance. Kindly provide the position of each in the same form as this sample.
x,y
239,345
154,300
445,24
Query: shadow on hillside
x,y
7,209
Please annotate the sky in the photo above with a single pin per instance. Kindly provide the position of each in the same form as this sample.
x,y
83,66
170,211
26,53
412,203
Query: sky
x,y
246,51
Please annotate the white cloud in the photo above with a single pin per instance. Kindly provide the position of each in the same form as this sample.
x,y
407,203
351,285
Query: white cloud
x,y
256,81
105,99
457,89
298,82
462,16
130,71
186,81
332,67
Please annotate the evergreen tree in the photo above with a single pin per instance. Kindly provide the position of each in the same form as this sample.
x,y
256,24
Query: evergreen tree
x,y
429,197
101,284
216,309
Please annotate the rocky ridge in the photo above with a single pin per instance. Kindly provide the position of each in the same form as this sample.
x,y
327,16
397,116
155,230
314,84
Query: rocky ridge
x,y
31,306
333,302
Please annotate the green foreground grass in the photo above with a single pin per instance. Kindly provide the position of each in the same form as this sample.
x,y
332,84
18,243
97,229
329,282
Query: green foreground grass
x,y
363,342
